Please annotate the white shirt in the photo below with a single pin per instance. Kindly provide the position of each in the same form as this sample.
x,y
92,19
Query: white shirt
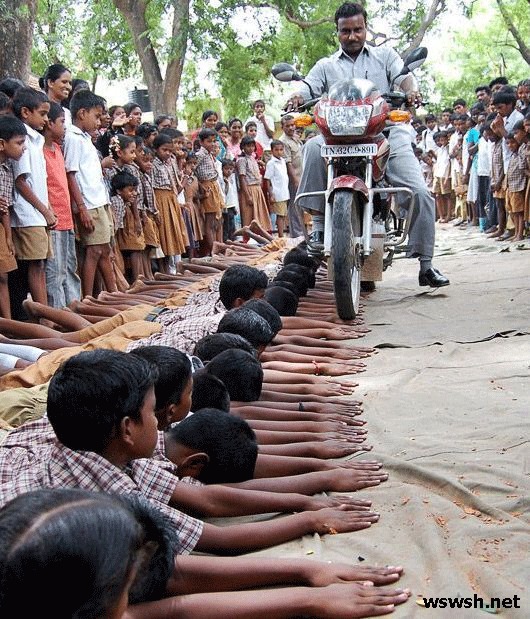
x,y
484,157
442,166
509,122
427,139
261,135
81,157
33,166
230,192
67,117
220,179
276,173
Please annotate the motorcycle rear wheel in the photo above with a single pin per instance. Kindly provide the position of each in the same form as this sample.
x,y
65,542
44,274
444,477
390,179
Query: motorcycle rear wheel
x,y
346,255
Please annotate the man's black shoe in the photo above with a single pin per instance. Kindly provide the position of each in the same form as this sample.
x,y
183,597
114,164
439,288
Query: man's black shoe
x,y
315,243
433,278
367,286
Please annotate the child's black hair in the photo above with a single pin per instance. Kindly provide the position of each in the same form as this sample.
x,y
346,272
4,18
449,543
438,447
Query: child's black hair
x,y
56,111
229,442
206,114
265,310
246,141
190,156
504,96
220,125
284,301
121,180
502,81
205,133
240,281
209,392
5,102
276,143
91,393
85,100
28,98
251,123
278,283
130,106
228,163
172,132
9,86
249,324
241,373
161,139
298,280
174,372
11,127
161,118
299,255
234,120
293,267
119,142
211,345
145,130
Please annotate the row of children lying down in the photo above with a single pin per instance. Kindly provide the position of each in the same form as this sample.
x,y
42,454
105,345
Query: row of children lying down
x,y
125,405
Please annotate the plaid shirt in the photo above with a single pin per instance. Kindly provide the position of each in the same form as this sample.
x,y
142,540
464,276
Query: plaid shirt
x,y
248,167
148,193
7,183
205,170
118,208
516,176
497,165
31,457
133,169
161,175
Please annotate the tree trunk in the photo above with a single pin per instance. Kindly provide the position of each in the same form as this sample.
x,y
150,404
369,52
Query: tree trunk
x,y
510,24
437,7
163,91
17,20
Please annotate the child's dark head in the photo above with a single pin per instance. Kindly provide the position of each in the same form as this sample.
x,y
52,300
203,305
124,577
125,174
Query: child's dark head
x,y
163,146
32,107
301,270
9,86
173,387
277,149
81,553
258,106
430,121
299,281
208,139
250,325
240,372
504,102
228,167
5,104
519,132
299,255
284,301
209,392
265,310
56,127
123,148
134,114
114,397
211,345
240,283
213,447
222,131
251,129
248,145
443,138
163,121
144,158
124,184
512,142
12,138
209,119
86,109
147,132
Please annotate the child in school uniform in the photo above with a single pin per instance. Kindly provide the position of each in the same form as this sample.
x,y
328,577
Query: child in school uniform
x,y
172,230
31,215
231,192
12,145
88,190
278,184
149,215
516,179
191,192
62,281
252,201
442,176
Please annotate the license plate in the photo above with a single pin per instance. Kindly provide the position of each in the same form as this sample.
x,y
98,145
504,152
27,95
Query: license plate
x,y
348,150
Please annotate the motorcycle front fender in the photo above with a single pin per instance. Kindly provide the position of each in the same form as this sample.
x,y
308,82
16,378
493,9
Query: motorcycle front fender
x,y
353,183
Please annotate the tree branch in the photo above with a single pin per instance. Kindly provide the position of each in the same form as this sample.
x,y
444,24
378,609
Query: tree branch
x,y
305,25
524,50
437,7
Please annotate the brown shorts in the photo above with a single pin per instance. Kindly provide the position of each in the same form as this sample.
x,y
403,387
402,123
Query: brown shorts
x,y
31,243
103,228
441,186
212,201
280,208
514,201
8,262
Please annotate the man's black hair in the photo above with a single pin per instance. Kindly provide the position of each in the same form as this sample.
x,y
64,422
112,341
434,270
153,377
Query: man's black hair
x,y
9,86
121,180
284,301
459,102
248,324
91,393
486,89
11,127
240,281
229,442
350,9
265,310
174,372
211,345
28,98
161,139
209,392
240,372
504,96
503,81
205,133
85,100
447,110
56,111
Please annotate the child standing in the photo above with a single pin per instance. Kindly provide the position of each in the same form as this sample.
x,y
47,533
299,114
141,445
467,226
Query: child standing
x,y
31,212
515,186
150,216
231,190
88,191
252,200
442,177
12,145
62,281
278,184
173,237
191,192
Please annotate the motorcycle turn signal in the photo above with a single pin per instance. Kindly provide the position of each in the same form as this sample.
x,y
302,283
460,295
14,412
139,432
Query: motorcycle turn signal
x,y
399,116
304,120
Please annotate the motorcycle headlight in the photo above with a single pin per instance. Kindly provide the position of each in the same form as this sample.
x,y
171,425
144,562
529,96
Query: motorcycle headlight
x,y
348,119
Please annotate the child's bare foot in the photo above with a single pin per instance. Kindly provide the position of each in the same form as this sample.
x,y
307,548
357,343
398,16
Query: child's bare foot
x,y
517,239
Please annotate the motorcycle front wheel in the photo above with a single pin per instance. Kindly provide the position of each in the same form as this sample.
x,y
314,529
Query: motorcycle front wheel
x,y
346,255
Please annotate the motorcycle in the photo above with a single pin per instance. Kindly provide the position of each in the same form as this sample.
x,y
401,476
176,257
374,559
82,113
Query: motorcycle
x,y
361,232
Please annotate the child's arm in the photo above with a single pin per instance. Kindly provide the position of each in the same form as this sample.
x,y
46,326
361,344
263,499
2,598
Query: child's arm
x,y
77,199
136,214
25,190
244,189
6,223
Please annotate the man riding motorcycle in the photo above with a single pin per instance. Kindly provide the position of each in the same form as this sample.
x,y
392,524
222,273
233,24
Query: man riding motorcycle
x,y
382,66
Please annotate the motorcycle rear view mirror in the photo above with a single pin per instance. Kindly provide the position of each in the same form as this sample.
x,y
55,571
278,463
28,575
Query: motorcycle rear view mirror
x,y
285,72
414,60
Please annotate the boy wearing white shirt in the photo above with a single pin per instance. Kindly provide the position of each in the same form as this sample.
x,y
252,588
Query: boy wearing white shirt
x,y
264,125
278,184
88,190
31,213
